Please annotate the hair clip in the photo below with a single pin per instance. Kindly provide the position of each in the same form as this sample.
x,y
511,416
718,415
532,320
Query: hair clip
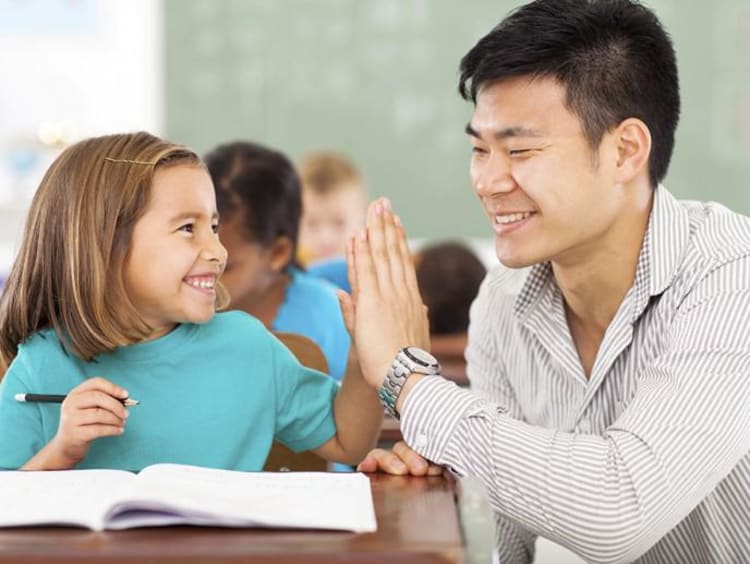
x,y
128,161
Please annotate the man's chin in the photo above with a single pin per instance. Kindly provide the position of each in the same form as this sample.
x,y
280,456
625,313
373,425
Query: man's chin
x,y
509,260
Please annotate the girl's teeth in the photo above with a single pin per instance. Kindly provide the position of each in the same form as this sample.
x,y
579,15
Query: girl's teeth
x,y
511,217
202,283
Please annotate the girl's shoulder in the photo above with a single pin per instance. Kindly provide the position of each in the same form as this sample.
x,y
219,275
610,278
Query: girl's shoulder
x,y
45,341
235,325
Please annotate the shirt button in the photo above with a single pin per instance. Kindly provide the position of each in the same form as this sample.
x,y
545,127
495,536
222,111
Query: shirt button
x,y
421,441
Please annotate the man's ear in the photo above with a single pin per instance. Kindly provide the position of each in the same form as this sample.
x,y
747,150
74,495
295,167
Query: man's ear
x,y
633,140
281,253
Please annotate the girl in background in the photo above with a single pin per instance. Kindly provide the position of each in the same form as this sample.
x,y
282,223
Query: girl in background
x,y
260,200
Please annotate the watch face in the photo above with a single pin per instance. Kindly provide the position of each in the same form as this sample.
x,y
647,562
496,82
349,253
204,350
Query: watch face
x,y
421,356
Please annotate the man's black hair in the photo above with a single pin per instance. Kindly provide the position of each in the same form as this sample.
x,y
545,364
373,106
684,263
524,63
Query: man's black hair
x,y
613,57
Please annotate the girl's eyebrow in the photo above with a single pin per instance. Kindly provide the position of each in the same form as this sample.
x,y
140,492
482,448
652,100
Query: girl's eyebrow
x,y
191,215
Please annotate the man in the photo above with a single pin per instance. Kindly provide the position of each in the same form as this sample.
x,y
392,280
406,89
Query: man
x,y
610,388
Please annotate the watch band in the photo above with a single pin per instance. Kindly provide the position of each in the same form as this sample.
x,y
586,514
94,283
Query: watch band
x,y
408,361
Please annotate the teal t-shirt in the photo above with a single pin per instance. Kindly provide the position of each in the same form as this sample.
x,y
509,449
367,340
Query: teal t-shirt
x,y
311,308
214,395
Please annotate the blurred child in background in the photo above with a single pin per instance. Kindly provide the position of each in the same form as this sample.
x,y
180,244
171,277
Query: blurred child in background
x,y
449,275
259,198
335,201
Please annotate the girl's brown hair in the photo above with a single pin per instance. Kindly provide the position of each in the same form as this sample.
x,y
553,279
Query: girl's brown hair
x,y
68,272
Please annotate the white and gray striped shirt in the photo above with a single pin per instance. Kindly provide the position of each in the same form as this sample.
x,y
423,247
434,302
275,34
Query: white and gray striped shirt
x,y
648,459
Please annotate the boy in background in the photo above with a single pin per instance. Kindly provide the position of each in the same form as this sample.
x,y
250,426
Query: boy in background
x,y
334,204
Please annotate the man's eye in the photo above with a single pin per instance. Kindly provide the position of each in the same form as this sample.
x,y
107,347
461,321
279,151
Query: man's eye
x,y
478,150
187,228
519,152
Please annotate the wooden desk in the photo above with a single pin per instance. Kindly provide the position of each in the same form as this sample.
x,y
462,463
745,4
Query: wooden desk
x,y
417,523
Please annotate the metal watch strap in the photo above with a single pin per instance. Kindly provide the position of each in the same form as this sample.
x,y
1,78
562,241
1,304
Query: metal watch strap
x,y
391,387
403,365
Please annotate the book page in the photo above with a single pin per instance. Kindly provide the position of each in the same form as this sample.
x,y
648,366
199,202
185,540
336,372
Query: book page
x,y
204,496
59,497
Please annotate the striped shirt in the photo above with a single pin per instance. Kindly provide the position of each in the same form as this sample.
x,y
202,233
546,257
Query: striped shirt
x,y
646,460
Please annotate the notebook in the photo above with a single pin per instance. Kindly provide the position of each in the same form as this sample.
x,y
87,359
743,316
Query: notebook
x,y
174,494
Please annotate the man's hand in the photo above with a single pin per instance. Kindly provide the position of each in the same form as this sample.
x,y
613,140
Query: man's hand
x,y
385,312
401,460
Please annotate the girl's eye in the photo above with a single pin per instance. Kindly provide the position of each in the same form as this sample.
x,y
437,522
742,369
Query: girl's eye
x,y
187,228
215,227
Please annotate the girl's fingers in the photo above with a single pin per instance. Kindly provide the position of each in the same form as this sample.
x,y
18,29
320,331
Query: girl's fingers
x,y
351,267
102,385
95,399
96,416
90,433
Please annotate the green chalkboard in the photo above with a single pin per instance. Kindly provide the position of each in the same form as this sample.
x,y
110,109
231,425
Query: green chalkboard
x,y
376,79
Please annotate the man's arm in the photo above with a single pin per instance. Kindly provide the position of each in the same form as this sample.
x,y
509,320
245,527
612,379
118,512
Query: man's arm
x,y
612,497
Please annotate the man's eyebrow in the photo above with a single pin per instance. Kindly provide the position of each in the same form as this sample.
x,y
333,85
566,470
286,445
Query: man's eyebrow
x,y
518,131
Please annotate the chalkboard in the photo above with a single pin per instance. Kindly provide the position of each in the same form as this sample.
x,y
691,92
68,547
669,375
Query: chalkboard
x,y
377,80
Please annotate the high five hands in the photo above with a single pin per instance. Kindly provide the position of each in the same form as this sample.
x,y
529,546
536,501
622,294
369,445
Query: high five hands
x,y
384,314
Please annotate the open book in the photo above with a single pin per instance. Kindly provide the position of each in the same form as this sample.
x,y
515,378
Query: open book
x,y
173,494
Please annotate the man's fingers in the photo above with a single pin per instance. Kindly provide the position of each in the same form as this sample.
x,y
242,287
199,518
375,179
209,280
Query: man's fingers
x,y
416,464
398,261
382,460
378,244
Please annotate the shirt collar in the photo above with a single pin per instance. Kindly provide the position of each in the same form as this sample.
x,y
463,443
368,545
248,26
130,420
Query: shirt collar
x,y
662,252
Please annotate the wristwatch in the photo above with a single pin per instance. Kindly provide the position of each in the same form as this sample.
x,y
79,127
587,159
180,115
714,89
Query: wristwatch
x,y
408,361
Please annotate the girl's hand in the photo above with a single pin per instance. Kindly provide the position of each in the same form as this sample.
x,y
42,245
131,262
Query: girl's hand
x,y
91,410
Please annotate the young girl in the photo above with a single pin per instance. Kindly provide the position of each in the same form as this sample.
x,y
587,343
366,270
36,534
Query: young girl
x,y
113,295
259,197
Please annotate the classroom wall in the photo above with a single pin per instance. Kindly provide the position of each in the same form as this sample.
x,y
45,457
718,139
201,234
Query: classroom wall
x,y
377,79
70,70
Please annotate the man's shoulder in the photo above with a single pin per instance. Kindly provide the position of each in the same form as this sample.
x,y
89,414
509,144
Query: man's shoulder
x,y
717,234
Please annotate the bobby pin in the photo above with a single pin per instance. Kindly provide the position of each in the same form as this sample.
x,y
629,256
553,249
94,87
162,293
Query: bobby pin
x,y
110,159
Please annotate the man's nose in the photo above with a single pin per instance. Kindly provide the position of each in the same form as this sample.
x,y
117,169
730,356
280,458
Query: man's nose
x,y
495,176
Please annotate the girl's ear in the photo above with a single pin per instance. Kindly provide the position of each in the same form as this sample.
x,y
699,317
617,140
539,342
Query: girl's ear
x,y
281,253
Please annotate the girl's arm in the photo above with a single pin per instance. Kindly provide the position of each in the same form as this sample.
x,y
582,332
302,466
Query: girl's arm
x,y
358,415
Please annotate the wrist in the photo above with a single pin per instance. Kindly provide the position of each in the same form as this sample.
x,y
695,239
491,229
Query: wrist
x,y
411,381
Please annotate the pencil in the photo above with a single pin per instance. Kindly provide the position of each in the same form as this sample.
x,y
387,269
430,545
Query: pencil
x,y
54,398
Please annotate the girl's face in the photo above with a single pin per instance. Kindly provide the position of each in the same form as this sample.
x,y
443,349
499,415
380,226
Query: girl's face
x,y
175,256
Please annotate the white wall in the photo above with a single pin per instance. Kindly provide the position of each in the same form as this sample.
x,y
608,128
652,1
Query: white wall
x,y
102,77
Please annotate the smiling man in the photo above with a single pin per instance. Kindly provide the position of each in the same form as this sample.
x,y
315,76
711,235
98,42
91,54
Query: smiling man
x,y
609,386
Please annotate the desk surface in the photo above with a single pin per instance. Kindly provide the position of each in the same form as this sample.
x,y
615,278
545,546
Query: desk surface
x,y
417,522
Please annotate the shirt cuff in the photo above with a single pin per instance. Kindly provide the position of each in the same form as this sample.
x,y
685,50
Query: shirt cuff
x,y
431,414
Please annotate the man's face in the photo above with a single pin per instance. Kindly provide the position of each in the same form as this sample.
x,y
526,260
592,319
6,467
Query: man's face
x,y
547,196
329,220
